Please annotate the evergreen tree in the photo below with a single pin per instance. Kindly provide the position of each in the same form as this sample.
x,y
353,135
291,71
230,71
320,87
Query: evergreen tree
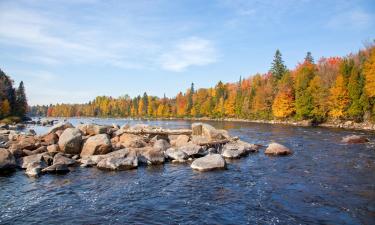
x,y
21,100
278,68
190,99
309,58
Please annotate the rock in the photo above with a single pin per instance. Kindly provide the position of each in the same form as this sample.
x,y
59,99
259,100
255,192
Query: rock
x,y
132,141
7,160
16,151
4,137
139,127
48,158
61,159
354,139
192,149
92,160
199,139
32,132
28,142
97,145
59,133
277,149
28,160
161,145
50,139
122,160
60,126
177,155
116,126
93,129
209,162
40,150
75,157
56,168
70,141
213,134
196,129
151,156
237,149
181,140
53,148
34,169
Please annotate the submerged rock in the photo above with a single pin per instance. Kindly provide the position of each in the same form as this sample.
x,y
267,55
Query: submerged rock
x,y
237,149
354,139
34,169
209,162
277,149
56,168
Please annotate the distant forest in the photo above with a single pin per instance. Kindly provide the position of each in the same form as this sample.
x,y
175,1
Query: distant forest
x,y
334,88
13,101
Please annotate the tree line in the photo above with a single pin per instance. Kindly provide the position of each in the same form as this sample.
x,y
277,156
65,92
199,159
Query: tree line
x,y
13,101
333,88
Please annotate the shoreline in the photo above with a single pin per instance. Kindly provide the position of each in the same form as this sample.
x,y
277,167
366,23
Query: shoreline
x,y
349,125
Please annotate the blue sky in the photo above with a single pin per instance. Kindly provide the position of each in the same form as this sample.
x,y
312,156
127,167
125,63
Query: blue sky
x,y
73,50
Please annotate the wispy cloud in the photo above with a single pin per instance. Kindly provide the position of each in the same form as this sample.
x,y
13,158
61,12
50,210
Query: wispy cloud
x,y
192,51
354,18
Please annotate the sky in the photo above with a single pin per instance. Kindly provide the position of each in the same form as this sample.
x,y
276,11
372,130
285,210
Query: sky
x,y
74,50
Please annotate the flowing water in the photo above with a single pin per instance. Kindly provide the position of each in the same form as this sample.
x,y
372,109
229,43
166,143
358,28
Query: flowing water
x,y
323,182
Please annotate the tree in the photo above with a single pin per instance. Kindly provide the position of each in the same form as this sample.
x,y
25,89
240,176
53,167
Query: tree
x,y
369,72
339,98
355,87
283,105
309,58
21,100
303,75
190,99
4,108
278,68
319,95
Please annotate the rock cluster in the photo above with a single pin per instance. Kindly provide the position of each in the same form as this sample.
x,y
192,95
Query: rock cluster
x,y
123,148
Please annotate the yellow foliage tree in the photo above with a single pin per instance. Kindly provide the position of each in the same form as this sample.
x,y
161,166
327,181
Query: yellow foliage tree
x,y
5,108
369,72
283,105
339,98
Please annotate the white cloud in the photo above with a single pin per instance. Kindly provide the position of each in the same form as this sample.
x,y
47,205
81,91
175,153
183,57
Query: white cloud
x,y
355,18
192,51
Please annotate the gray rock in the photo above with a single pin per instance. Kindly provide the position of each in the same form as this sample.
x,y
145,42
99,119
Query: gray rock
x,y
70,141
276,149
56,168
181,140
61,159
97,145
28,160
209,162
192,149
34,169
60,126
237,149
161,145
151,156
123,160
177,155
354,139
93,129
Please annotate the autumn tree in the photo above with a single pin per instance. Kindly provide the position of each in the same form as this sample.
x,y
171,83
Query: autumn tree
x,y
339,98
283,105
305,72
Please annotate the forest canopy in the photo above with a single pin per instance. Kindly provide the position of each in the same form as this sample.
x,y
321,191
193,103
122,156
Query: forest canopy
x,y
333,88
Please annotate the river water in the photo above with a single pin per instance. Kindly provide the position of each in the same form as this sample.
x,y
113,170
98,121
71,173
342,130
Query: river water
x,y
323,182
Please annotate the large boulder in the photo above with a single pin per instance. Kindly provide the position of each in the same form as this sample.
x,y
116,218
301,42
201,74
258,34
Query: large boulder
x,y
150,156
70,141
34,169
60,126
238,148
53,148
50,139
28,160
212,133
93,129
97,145
209,162
277,149
161,145
354,139
132,141
192,149
199,139
181,140
28,142
176,155
7,160
59,158
119,160
196,129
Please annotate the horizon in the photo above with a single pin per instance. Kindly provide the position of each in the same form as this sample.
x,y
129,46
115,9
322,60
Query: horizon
x,y
72,52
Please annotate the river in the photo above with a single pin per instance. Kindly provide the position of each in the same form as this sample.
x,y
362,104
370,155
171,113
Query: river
x,y
323,182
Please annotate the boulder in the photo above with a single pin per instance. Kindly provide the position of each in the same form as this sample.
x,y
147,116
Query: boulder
x,y
7,160
212,133
16,150
132,141
53,148
192,149
59,158
176,155
277,149
59,133
161,145
93,129
28,142
60,126
150,156
354,139
70,141
139,127
50,139
199,139
238,148
119,160
196,129
181,140
57,169
97,145
34,169
209,162
28,160
41,149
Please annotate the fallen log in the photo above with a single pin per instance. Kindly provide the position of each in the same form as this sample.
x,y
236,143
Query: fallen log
x,y
157,132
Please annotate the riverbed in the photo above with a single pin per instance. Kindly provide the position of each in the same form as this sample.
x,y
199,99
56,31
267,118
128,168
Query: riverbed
x,y
323,182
